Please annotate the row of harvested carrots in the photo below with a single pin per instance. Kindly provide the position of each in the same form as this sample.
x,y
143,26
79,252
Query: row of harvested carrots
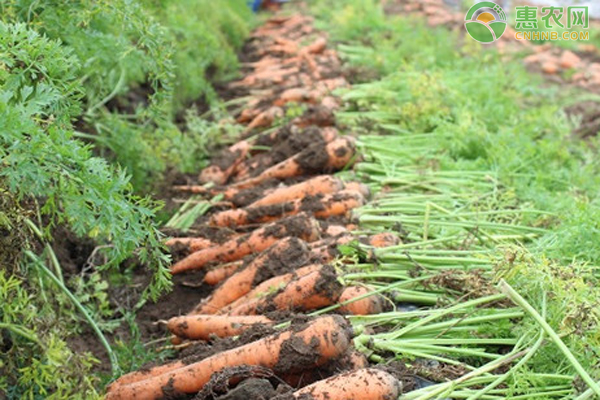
x,y
328,337
285,217
284,71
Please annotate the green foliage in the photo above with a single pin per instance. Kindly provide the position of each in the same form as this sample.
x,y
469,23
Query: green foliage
x,y
139,62
41,158
569,297
481,111
206,35
36,362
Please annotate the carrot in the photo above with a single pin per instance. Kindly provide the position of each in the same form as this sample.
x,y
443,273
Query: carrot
x,y
384,239
324,338
286,144
222,272
295,95
315,115
285,254
318,46
335,230
270,285
351,360
299,226
320,206
265,118
309,292
203,327
369,305
225,164
323,184
332,241
358,187
314,159
323,254
364,384
193,244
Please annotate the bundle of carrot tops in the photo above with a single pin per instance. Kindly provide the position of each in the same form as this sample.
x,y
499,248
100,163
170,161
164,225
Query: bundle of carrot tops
x,y
272,252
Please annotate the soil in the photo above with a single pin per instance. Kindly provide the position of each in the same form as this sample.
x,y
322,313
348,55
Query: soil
x,y
252,388
299,226
313,160
280,262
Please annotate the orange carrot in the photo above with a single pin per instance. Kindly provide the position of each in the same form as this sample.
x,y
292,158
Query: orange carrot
x,y
299,226
359,187
293,95
373,304
335,230
270,285
323,254
320,206
193,244
222,272
364,384
265,118
225,164
285,144
384,239
309,292
313,159
318,46
315,115
323,184
285,254
203,327
327,337
351,360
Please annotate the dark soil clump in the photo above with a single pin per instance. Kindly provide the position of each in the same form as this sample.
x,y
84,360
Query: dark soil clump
x,y
281,262
251,389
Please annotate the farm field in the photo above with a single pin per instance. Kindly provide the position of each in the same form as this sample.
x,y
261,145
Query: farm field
x,y
314,200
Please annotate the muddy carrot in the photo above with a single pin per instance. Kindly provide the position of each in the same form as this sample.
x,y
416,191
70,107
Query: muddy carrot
x,y
270,285
294,95
299,226
288,253
364,384
351,360
286,145
309,292
373,304
265,118
318,185
325,338
203,327
320,206
193,244
359,187
384,239
314,159
222,272
317,46
224,166
323,254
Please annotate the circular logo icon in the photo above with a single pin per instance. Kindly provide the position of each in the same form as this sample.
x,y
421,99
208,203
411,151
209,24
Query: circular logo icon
x,y
485,22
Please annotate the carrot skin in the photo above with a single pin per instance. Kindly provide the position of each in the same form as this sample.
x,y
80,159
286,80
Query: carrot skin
x,y
364,384
203,327
222,272
242,281
275,283
309,292
327,336
300,226
367,306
